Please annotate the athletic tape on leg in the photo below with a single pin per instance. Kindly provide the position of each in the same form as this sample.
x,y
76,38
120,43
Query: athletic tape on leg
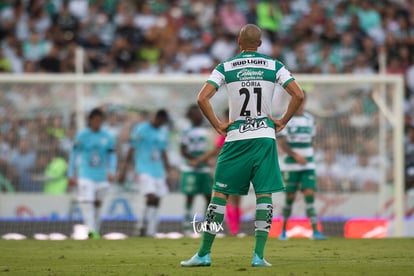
x,y
214,218
264,216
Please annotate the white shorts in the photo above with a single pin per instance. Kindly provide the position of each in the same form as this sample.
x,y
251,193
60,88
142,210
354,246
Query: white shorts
x,y
89,190
151,185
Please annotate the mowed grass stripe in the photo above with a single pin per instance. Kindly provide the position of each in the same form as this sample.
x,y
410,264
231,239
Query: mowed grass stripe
x,y
144,256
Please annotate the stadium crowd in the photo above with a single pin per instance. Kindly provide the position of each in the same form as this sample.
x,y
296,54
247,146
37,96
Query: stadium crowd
x,y
192,36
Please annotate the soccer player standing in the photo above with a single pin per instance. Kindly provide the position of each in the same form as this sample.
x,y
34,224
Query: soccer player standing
x,y
195,178
148,145
92,167
299,167
249,153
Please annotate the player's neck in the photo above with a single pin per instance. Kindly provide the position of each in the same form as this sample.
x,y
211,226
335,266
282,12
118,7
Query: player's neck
x,y
249,50
155,124
94,128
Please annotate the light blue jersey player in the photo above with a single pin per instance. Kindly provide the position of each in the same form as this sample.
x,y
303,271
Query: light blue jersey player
x,y
92,166
148,145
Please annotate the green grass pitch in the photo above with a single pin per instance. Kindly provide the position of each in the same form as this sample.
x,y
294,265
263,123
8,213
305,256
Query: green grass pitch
x,y
231,256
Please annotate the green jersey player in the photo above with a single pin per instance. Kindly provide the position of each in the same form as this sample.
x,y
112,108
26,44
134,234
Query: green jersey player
x,y
299,167
249,152
195,176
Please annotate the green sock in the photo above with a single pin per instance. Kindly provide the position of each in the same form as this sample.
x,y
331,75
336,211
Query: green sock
x,y
214,217
264,217
287,210
310,211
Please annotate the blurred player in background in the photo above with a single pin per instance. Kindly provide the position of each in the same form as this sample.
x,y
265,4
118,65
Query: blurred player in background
x,y
233,215
195,174
249,153
233,209
92,167
148,147
299,166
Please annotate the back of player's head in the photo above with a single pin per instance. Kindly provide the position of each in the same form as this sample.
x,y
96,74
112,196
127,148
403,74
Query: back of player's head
x,y
194,115
191,109
95,119
96,112
250,36
161,118
162,114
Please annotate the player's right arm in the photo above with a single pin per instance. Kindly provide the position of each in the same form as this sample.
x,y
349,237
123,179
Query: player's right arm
x,y
209,89
283,143
205,157
203,100
212,153
184,149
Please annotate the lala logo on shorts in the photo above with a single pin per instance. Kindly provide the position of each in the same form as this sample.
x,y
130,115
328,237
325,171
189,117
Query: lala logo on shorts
x,y
252,124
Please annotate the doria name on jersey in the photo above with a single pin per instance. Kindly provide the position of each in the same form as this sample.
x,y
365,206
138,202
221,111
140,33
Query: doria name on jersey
x,y
250,79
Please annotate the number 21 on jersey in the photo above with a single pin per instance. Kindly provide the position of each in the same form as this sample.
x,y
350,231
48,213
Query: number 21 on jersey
x,y
247,93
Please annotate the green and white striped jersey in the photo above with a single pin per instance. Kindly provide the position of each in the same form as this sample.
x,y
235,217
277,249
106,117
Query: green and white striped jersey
x,y
195,139
250,79
299,133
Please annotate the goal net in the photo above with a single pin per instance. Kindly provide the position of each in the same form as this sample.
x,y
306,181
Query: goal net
x,y
358,145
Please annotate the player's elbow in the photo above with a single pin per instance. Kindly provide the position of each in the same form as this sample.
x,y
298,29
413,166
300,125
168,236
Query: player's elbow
x,y
300,96
295,91
205,94
201,99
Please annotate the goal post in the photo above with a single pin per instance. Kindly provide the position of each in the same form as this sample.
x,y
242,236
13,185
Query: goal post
x,y
329,95
393,114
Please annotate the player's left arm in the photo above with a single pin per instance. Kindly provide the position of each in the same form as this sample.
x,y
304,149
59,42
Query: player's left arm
x,y
203,100
165,160
313,131
163,148
131,151
285,79
184,149
296,100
